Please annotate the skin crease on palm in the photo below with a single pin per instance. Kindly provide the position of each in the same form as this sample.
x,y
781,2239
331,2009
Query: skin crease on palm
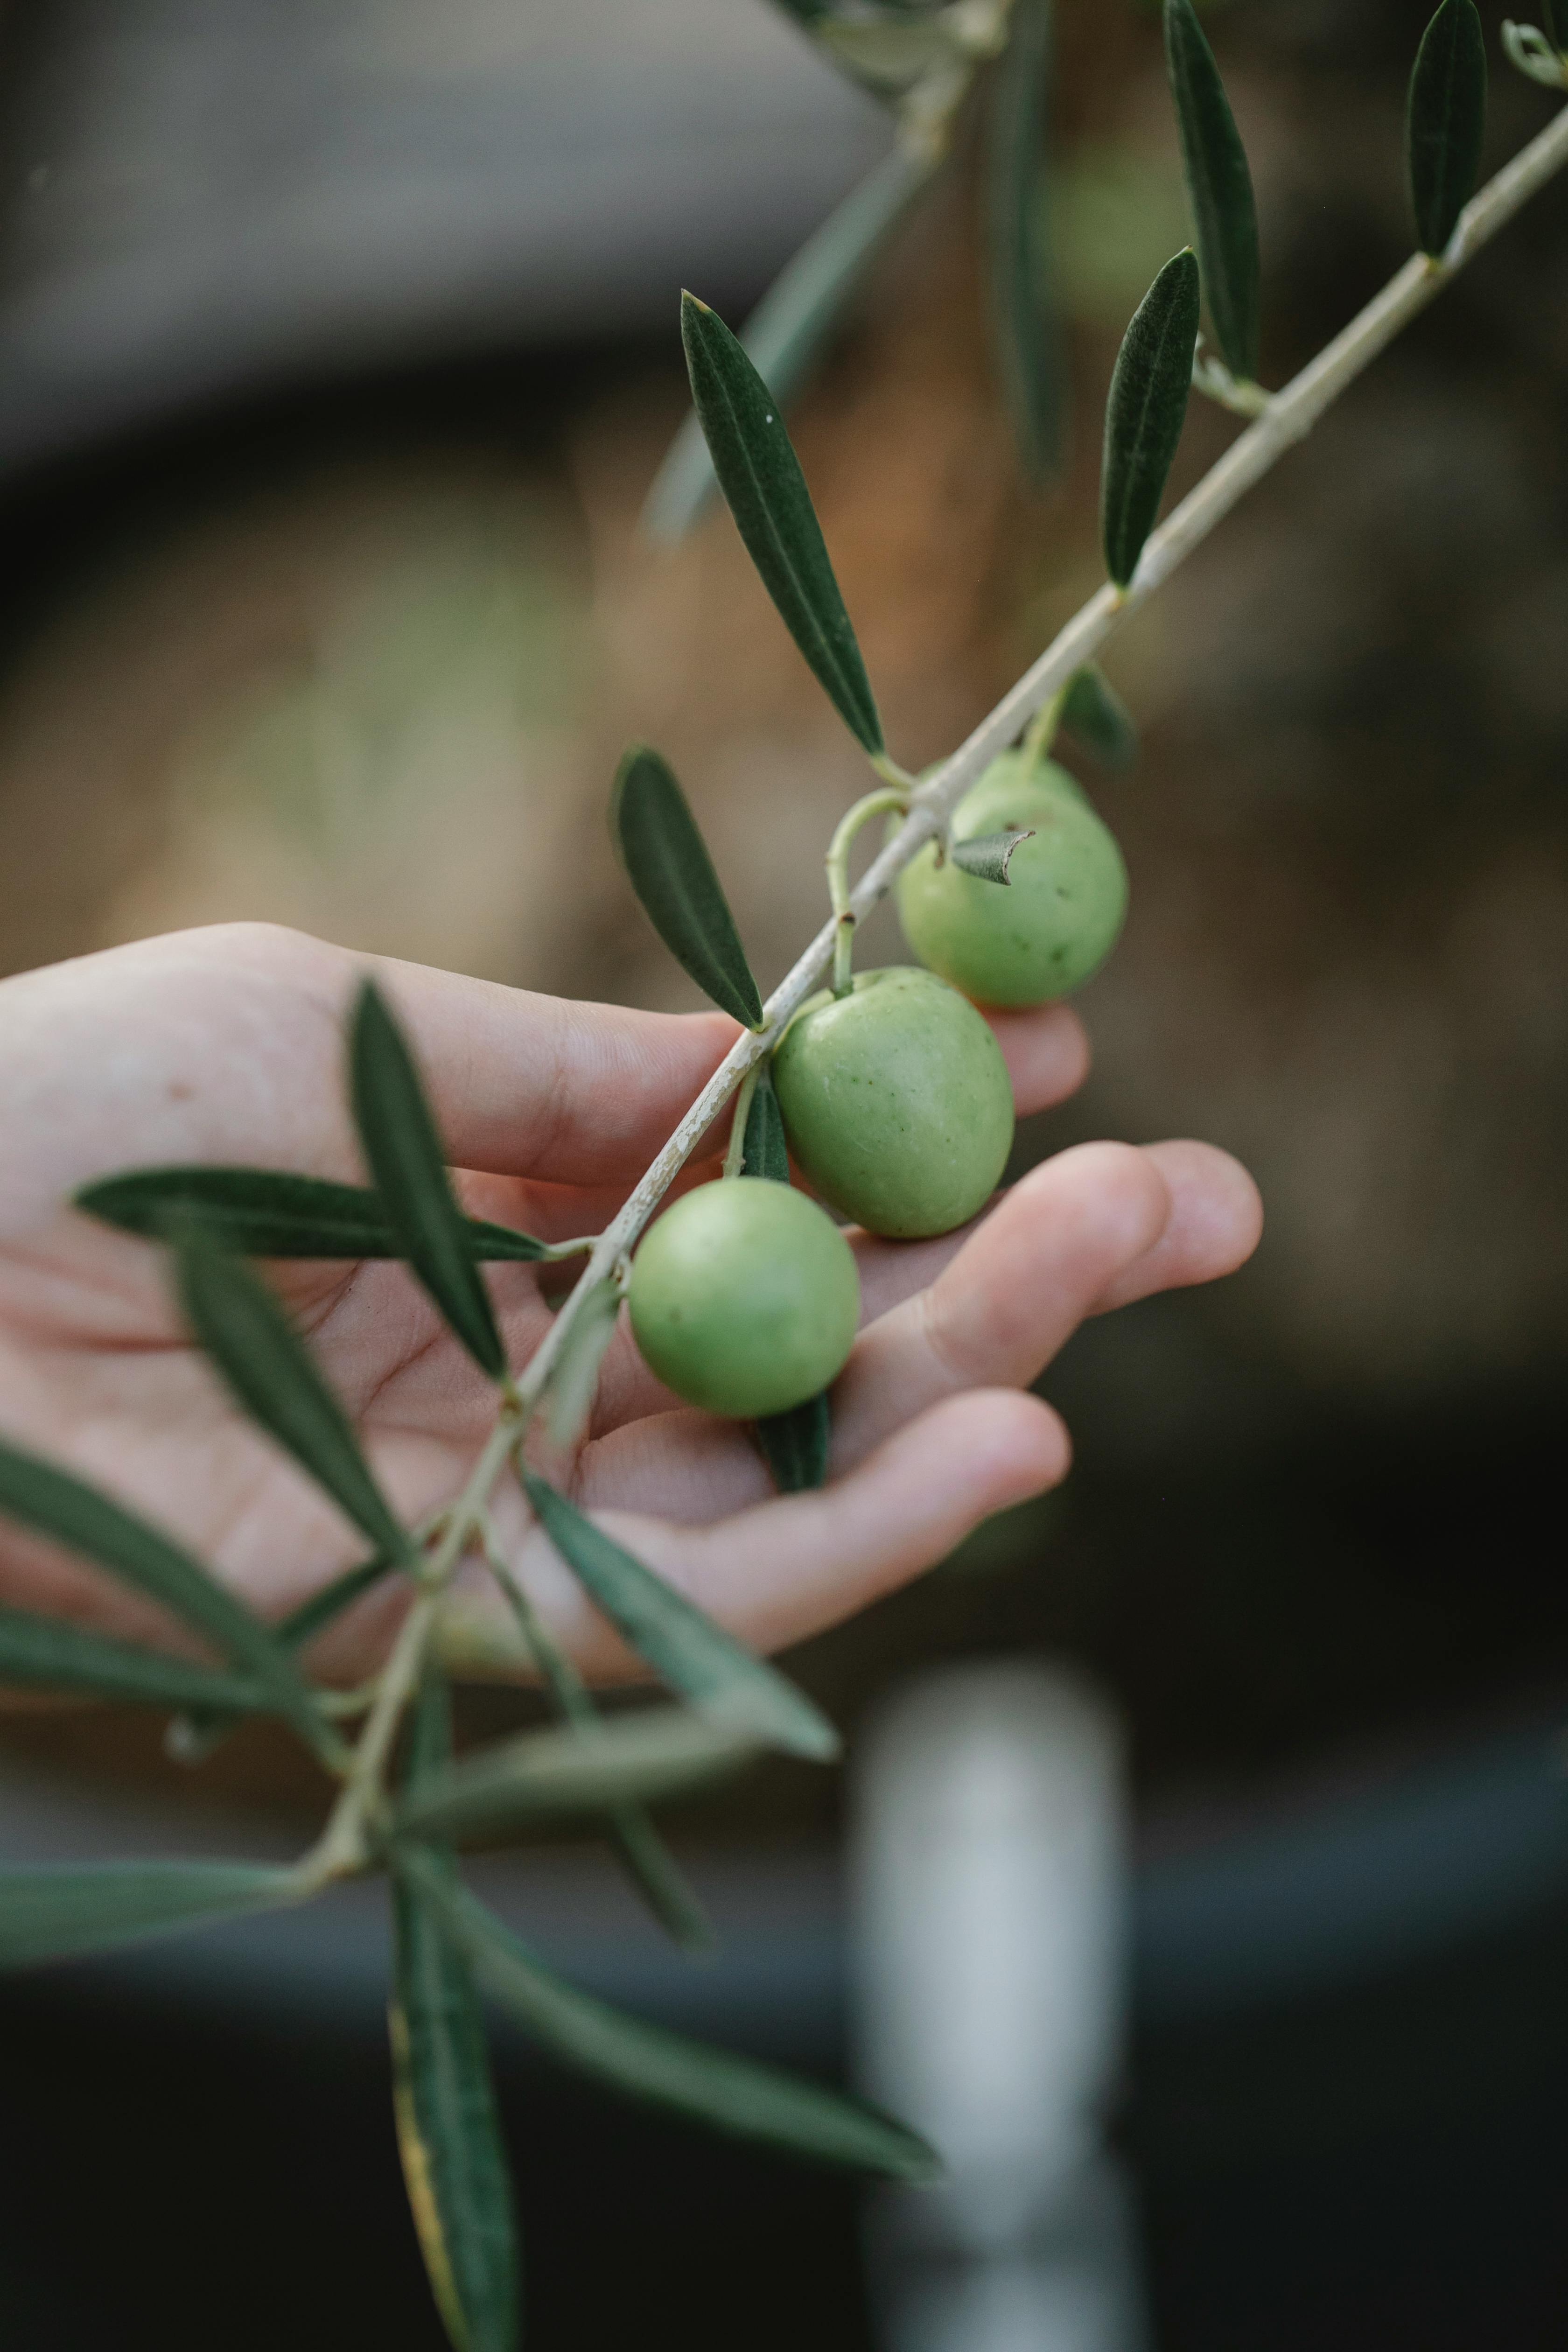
x,y
226,1044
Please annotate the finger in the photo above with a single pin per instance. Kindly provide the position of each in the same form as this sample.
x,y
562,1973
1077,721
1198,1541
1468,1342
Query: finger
x,y
794,1565
1022,1283
1047,1053
1215,1224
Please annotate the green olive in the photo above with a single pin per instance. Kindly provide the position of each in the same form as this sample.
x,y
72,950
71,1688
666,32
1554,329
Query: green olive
x,y
744,1298
896,1102
1055,920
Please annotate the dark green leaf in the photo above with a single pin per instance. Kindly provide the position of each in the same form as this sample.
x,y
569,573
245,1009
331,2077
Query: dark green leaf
x,y
794,319
448,2130
579,1768
59,1911
669,867
989,855
265,1212
403,1149
1028,338
1219,188
796,1444
765,1151
203,1728
709,2086
761,478
245,1331
1445,118
1095,716
636,1844
61,1508
805,12
1145,411
46,1654
658,1878
1554,16
693,1655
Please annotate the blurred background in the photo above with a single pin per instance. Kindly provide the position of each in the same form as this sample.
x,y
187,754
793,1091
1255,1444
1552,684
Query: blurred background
x,y
338,349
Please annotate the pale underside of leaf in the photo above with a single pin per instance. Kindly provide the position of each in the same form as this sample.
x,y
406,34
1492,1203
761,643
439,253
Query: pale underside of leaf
x,y
60,1911
989,855
727,2093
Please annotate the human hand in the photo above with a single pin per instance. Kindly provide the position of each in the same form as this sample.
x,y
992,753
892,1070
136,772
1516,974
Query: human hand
x,y
227,1045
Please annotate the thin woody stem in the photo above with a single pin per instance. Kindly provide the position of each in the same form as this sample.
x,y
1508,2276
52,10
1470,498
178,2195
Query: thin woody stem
x,y
1290,415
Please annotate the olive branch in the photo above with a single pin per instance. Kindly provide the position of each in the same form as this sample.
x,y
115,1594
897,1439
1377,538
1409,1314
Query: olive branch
x,y
404,1802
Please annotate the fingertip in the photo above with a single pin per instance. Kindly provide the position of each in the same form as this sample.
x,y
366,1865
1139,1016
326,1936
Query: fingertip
x,y
1001,1446
1047,1052
1215,1200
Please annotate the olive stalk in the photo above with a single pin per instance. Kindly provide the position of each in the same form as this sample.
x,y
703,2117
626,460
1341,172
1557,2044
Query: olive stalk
x,y
891,796
1290,415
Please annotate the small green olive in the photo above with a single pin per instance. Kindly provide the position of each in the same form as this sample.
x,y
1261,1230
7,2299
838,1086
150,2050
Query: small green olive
x,y
896,1102
1058,917
744,1298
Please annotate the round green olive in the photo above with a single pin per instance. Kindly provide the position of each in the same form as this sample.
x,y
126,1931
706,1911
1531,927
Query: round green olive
x,y
896,1102
744,1298
1057,918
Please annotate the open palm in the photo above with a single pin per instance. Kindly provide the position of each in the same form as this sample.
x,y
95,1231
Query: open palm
x,y
227,1045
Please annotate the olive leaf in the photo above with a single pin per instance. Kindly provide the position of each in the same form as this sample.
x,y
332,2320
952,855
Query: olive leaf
x,y
763,1151
989,855
636,1844
265,1212
723,1682
245,1333
202,1728
1445,118
1094,714
403,1149
1028,337
760,476
62,1507
728,2093
794,319
1553,15
45,1654
669,867
444,2103
61,1910
574,1377
795,1444
579,1768
1145,412
1219,188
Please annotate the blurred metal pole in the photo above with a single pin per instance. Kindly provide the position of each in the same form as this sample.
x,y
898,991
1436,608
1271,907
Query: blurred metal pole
x,y
990,1901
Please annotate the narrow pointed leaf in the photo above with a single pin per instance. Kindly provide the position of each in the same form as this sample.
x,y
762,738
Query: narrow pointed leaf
x,y
61,1508
1445,118
61,1910
1095,716
1554,18
708,2086
449,2131
760,476
575,1769
403,1149
796,1444
989,855
792,321
244,1330
669,867
686,1650
43,1653
1028,338
658,1878
267,1213
1145,412
1220,189
201,1730
765,1151
575,1381
635,1844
